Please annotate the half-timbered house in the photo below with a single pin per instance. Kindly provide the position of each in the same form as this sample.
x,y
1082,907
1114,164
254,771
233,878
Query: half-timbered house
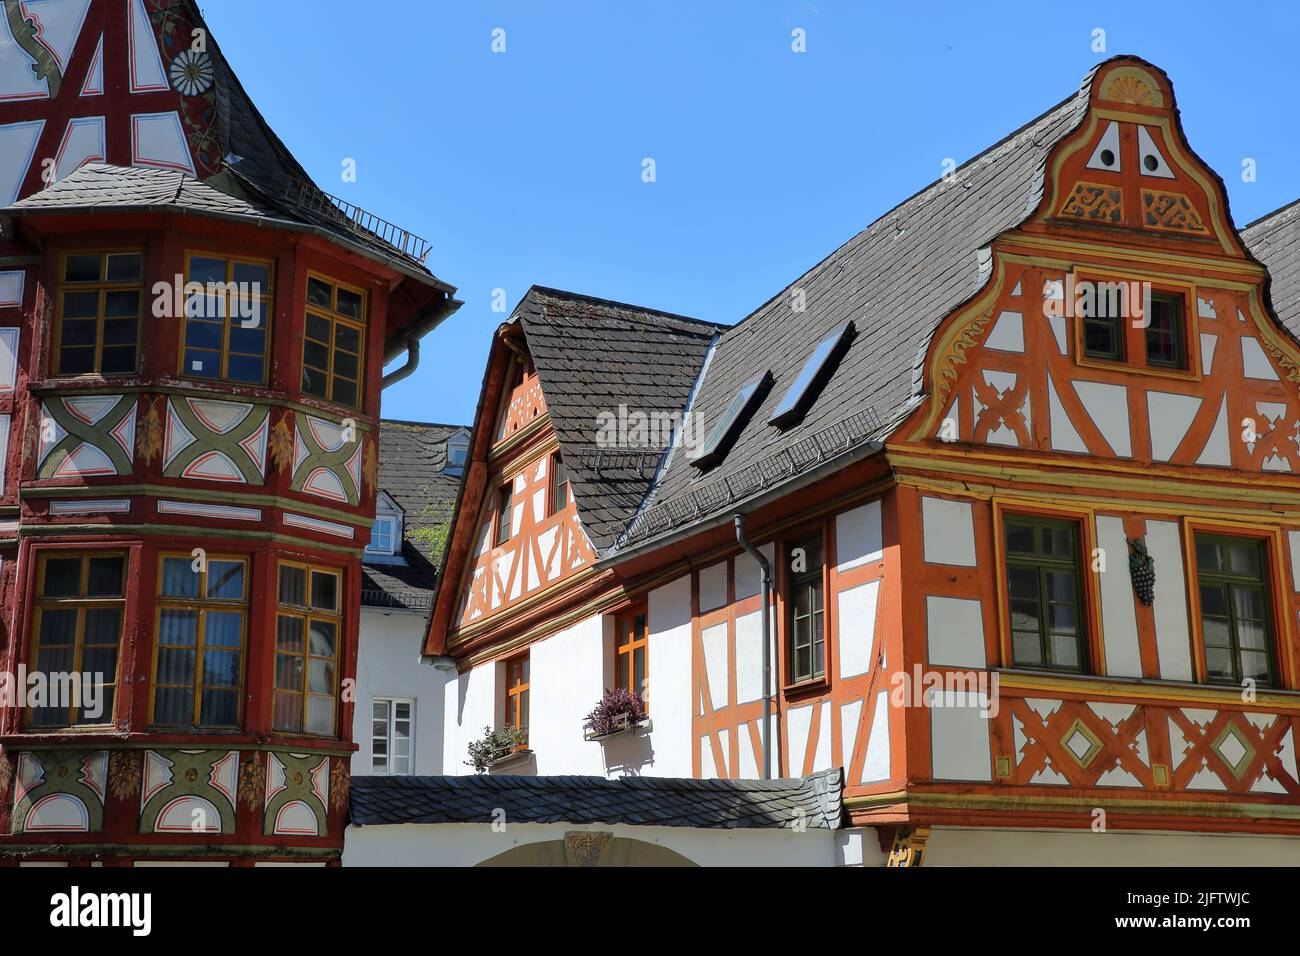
x,y
1014,473
192,345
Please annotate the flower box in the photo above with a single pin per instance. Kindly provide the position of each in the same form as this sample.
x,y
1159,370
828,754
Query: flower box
x,y
622,725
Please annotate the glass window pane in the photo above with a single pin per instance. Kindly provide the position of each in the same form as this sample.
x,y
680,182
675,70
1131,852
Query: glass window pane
x,y
1218,663
104,577
124,267
226,580
320,714
1244,558
117,361
176,666
1208,555
205,269
1065,650
347,338
1026,648
293,585
324,590
250,273
323,639
223,628
288,672
289,634
220,708
318,328
1214,600
320,293
174,706
245,368
82,268
314,383
288,711
221,668
199,333
179,627
179,579
121,304
320,677
349,304
103,625
345,392
62,577
58,627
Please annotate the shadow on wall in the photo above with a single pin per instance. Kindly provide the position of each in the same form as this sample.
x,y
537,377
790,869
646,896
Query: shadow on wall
x,y
627,754
589,848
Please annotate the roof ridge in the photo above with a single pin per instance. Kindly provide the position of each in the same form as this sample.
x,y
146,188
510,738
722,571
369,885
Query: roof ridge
x,y
599,300
1279,214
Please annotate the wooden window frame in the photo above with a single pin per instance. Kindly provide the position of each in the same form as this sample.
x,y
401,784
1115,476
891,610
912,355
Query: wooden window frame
x,y
81,605
309,615
555,505
1276,578
1134,337
267,298
335,318
1041,563
201,604
102,287
503,520
390,721
1090,605
785,585
1180,331
516,711
628,651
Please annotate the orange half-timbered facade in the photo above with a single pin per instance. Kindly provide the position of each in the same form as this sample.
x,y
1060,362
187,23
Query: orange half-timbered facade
x,y
192,345
1020,461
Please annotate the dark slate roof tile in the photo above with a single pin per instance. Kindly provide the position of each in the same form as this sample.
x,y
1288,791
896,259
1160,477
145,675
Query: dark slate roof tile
x,y
635,801
1275,241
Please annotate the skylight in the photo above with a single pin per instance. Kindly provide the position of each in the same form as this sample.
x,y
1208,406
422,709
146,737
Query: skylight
x,y
813,375
725,432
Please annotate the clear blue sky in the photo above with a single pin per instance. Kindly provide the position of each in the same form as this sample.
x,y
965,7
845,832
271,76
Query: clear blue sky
x,y
525,167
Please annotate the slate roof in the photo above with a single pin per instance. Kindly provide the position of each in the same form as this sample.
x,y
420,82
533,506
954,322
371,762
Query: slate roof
x,y
1275,241
412,456
592,356
896,280
103,185
635,801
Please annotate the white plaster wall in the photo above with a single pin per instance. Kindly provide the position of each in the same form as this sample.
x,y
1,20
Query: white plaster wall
x,y
1173,632
669,681
467,844
1118,613
948,532
469,705
388,665
993,847
567,679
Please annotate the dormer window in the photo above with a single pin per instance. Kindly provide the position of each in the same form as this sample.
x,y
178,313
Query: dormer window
x,y
386,533
457,453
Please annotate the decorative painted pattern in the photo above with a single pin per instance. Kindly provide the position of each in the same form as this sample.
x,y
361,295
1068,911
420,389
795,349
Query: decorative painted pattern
x,y
89,436
187,791
215,441
297,794
327,459
60,791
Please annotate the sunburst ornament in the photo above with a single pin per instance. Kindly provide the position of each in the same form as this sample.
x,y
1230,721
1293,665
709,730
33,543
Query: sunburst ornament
x,y
1130,85
191,72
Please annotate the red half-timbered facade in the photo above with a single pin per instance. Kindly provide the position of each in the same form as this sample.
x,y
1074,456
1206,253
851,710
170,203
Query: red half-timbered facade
x,y
192,344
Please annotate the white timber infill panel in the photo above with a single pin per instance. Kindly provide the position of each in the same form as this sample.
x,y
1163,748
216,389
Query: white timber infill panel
x,y
1173,633
388,666
668,612
858,538
959,735
948,530
470,703
954,630
1118,612
566,680
856,624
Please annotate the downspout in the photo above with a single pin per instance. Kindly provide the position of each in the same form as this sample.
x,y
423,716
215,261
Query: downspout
x,y
412,363
765,576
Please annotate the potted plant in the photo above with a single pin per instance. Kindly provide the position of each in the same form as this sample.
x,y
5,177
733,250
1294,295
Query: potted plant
x,y
495,746
617,711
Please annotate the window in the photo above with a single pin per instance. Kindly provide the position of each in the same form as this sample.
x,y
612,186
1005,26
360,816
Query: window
x,y
391,722
1235,618
383,536
1044,592
804,597
1103,323
78,629
457,452
505,508
99,313
198,657
815,372
331,348
227,326
517,692
724,433
632,652
1164,333
559,484
307,648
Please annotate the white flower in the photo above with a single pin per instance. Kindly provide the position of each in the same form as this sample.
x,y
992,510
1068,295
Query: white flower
x,y
191,72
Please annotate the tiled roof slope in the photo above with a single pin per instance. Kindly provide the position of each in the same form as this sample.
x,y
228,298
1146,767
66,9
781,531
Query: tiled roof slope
x,y
592,356
102,185
1275,241
412,456
635,801
897,280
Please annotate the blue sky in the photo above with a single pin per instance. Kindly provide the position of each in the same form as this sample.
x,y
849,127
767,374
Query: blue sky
x,y
525,166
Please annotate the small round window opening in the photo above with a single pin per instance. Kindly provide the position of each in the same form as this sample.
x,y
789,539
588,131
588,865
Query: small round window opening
x,y
1150,162
1107,157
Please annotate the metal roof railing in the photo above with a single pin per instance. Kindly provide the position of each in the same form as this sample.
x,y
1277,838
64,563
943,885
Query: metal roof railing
x,y
313,201
795,459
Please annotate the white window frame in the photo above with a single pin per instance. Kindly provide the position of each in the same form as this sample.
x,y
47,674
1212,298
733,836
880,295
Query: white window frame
x,y
389,723
458,441
393,523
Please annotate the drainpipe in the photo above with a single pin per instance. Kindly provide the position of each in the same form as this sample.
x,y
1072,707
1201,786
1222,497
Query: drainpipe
x,y
765,576
412,363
